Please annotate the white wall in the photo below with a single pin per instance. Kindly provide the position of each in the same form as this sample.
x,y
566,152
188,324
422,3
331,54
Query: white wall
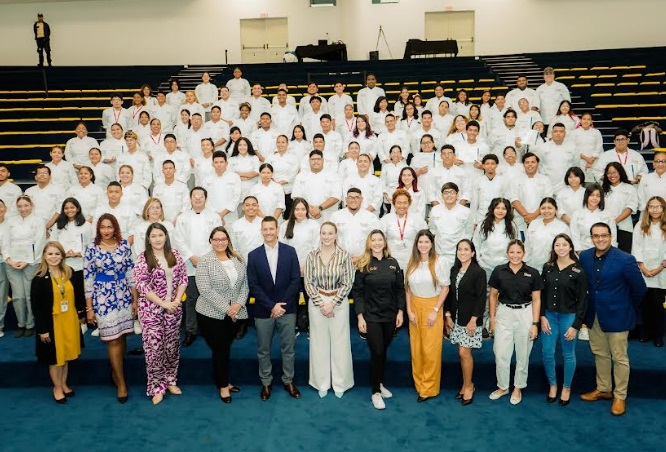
x,y
126,32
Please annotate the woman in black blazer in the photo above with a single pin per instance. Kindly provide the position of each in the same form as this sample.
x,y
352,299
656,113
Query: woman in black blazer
x,y
58,304
464,307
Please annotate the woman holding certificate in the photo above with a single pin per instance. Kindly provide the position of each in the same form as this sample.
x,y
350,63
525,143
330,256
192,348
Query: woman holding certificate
x,y
22,246
74,233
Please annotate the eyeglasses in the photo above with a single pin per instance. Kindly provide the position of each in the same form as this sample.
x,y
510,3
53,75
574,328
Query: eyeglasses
x,y
219,240
600,236
620,140
449,192
657,207
659,161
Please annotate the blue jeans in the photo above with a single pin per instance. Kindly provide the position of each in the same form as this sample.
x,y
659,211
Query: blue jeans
x,y
559,324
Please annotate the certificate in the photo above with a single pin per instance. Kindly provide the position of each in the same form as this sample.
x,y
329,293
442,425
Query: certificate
x,y
23,252
529,137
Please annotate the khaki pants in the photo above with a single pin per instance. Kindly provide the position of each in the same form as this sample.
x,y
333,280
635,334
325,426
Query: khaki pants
x,y
610,352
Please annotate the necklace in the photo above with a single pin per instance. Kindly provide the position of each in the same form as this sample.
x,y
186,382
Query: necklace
x,y
60,283
108,245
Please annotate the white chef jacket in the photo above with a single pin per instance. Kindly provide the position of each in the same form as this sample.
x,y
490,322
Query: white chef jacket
x,y
316,188
550,97
581,222
400,234
449,227
621,197
175,198
651,250
353,229
89,197
191,234
366,99
76,149
556,160
371,187
539,241
140,164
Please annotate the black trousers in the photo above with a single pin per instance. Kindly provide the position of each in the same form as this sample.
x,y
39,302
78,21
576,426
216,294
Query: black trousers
x,y
44,45
190,313
624,239
219,335
652,311
379,338
288,202
302,316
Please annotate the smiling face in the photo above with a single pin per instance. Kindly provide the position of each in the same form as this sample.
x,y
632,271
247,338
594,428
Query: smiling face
x,y
531,165
601,238
464,252
515,254
354,201
424,245
561,247
70,211
574,181
106,230
401,205
547,211
328,235
52,256
593,200
500,212
300,212
250,207
125,175
613,175
84,177
95,156
269,232
81,131
655,209
155,212
24,207
377,243
220,242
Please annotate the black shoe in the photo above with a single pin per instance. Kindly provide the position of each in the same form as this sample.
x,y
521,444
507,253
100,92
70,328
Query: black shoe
x,y
643,339
459,395
123,400
20,332
242,330
550,399
465,402
29,332
225,399
363,336
189,339
62,401
659,342
564,402
234,389
420,399
70,394
485,334
136,352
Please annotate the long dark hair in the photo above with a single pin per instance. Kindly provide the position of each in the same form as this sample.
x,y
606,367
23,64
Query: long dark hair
x,y
553,256
289,232
591,189
488,224
475,261
250,148
606,184
368,128
415,183
231,142
62,220
149,255
117,236
404,111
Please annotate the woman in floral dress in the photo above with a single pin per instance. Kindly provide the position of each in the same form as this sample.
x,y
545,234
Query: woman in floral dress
x,y
110,296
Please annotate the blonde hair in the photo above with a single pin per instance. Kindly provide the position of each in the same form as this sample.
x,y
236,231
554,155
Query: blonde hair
x,y
364,262
152,200
65,270
453,129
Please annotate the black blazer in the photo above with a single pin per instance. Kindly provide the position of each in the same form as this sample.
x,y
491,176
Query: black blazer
x,y
472,295
41,299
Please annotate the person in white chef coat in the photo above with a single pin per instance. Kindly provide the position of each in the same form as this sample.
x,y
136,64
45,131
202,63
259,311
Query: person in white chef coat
x,y
354,223
321,189
551,93
450,222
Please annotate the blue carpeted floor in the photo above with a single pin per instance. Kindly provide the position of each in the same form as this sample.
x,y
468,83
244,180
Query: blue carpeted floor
x,y
198,420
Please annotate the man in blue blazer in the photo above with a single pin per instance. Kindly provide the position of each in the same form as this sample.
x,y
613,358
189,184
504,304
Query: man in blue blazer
x,y
615,286
274,277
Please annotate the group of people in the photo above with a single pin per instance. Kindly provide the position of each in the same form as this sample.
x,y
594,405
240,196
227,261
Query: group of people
x,y
474,229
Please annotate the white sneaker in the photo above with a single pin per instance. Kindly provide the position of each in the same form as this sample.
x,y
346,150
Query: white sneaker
x,y
584,334
1,333
322,394
339,394
95,332
377,401
386,394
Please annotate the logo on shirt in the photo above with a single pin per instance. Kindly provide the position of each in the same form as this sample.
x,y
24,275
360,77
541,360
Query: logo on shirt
x,y
528,275
393,267
574,269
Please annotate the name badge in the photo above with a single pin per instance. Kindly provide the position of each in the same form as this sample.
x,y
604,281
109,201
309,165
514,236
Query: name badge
x,y
528,275
64,306
577,270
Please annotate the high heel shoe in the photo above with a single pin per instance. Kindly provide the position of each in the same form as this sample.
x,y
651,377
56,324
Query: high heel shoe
x,y
564,402
234,389
70,394
225,399
62,401
550,399
123,400
459,395
465,402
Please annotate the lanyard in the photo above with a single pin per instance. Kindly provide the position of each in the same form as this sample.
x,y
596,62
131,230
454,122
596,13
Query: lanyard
x,y
116,117
137,111
350,126
619,158
401,230
159,138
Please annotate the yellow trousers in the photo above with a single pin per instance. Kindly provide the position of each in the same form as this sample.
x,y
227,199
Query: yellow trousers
x,y
426,347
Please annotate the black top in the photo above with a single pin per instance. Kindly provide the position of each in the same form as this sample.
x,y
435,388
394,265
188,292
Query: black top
x,y
379,292
515,288
565,291
470,298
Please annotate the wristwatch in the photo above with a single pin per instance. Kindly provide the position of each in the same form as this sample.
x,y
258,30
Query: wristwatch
x,y
320,207
535,323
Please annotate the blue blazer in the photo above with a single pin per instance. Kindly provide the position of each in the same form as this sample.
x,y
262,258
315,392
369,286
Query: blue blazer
x,y
620,290
287,280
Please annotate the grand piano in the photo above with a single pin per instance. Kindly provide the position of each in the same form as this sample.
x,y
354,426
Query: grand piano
x,y
416,47
325,52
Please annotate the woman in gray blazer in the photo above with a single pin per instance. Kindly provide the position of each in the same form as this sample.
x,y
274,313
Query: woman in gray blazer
x,y
222,282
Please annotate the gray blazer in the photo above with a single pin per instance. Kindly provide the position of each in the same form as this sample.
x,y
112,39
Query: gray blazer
x,y
216,293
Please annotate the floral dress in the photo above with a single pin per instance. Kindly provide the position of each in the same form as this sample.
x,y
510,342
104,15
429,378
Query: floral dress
x,y
108,279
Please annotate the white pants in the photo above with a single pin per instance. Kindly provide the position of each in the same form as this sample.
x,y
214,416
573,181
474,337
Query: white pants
x,y
512,330
330,348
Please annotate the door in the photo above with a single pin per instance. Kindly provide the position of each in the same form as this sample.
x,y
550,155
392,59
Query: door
x,y
458,25
264,40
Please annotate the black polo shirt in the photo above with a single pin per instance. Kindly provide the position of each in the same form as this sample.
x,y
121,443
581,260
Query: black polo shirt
x,y
379,292
565,291
515,288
